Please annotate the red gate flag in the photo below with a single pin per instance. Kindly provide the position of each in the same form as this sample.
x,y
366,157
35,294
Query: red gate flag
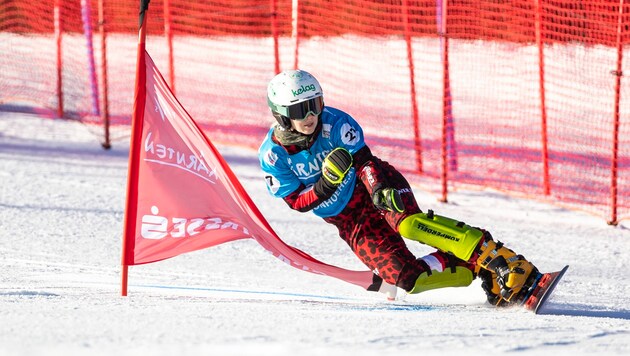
x,y
181,194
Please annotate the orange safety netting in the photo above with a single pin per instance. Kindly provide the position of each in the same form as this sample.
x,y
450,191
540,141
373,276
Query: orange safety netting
x,y
523,96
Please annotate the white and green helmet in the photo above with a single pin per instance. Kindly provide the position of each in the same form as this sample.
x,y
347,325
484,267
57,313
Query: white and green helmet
x,y
293,95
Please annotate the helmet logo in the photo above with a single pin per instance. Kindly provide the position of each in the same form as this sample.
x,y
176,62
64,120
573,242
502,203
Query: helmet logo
x,y
303,89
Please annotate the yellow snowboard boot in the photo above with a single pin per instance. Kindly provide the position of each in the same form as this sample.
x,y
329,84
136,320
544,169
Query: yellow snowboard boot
x,y
514,274
490,285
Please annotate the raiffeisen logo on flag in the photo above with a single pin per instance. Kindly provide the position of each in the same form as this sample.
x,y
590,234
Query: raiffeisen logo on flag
x,y
155,226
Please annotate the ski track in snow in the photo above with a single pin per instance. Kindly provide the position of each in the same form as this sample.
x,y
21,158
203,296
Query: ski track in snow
x,y
62,207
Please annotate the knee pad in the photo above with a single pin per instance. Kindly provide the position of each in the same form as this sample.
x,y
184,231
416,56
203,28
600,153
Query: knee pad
x,y
450,277
443,233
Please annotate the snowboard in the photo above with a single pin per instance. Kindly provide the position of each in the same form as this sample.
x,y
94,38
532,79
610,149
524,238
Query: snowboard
x,y
542,289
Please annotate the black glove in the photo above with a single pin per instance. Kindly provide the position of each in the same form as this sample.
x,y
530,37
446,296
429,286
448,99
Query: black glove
x,y
336,165
388,199
334,168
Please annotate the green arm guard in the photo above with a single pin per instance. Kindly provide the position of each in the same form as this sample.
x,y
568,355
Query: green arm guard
x,y
442,233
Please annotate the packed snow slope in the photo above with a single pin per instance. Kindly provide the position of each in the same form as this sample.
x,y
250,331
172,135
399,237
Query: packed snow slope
x,y
62,207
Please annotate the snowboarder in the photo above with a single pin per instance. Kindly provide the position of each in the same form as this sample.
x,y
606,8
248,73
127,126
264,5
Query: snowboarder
x,y
315,158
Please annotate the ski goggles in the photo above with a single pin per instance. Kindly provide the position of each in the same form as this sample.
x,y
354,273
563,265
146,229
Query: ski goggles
x,y
301,111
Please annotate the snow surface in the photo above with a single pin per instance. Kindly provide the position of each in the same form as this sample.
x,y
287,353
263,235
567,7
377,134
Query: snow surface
x,y
61,217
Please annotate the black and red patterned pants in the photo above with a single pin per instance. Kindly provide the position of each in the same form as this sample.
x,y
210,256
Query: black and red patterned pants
x,y
373,236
